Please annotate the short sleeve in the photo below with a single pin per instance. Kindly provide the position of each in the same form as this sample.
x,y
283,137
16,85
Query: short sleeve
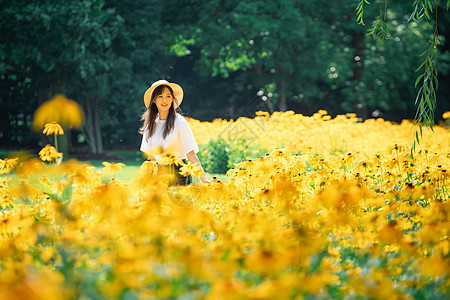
x,y
145,144
187,139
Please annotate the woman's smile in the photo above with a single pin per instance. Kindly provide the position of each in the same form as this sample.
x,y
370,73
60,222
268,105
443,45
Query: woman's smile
x,y
164,100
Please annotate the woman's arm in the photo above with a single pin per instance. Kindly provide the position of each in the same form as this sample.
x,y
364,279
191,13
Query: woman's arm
x,y
193,158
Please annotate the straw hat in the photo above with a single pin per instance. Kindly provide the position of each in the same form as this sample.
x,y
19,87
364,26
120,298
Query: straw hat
x,y
177,92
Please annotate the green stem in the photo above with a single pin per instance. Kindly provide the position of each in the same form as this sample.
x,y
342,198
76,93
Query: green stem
x,y
56,142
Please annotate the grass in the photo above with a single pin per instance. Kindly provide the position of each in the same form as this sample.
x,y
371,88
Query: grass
x,y
132,160
127,155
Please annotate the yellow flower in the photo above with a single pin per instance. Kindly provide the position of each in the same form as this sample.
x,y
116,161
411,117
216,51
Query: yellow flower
x,y
44,180
446,115
396,148
53,128
49,153
364,165
60,110
58,187
111,168
149,167
191,169
390,234
261,234
263,114
435,266
169,159
30,167
321,163
80,172
333,251
7,165
348,160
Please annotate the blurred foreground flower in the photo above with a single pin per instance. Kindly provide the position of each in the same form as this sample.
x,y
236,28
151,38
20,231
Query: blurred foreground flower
x,y
111,168
160,150
191,169
169,158
49,153
60,110
149,167
446,115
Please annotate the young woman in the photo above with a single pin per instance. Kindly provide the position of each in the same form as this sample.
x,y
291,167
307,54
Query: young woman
x,y
164,128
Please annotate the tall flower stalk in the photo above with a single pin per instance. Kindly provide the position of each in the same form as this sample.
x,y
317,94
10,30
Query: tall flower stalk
x,y
49,129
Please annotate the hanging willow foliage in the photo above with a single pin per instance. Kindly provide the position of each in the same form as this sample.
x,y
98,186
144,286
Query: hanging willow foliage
x,y
426,81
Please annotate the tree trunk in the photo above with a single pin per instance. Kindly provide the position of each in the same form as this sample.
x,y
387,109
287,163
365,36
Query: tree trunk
x,y
360,107
269,105
282,101
92,126
281,86
98,127
43,95
260,75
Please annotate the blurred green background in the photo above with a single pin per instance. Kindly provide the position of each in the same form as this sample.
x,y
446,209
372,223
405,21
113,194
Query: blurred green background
x,y
232,58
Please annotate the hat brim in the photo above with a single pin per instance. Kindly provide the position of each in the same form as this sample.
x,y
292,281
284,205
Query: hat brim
x,y
177,93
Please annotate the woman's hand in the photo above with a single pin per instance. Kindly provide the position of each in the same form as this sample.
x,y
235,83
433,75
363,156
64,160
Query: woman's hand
x,y
205,179
193,158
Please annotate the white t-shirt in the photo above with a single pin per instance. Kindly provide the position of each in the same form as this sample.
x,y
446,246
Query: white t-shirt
x,y
180,140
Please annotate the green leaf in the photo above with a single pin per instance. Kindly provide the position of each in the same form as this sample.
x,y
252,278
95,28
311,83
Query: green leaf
x,y
418,95
359,8
418,79
430,5
425,52
425,11
420,67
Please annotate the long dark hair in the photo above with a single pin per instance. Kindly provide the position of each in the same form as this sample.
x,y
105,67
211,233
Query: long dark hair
x,y
149,116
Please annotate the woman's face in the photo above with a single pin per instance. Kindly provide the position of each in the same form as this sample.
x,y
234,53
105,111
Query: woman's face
x,y
164,100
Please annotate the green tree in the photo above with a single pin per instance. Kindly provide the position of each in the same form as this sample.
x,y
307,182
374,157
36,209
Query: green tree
x,y
299,52
97,69
101,54
52,44
276,43
140,43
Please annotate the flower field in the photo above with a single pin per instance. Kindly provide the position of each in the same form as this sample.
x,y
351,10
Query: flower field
x,y
337,209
